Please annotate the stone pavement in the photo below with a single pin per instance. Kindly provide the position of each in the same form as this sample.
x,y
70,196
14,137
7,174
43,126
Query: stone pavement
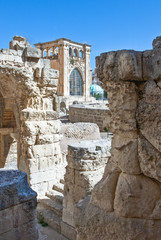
x,y
47,233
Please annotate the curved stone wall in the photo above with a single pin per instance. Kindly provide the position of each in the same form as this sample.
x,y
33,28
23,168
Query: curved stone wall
x,y
94,113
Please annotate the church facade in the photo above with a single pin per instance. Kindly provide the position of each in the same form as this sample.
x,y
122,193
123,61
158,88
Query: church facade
x,y
72,59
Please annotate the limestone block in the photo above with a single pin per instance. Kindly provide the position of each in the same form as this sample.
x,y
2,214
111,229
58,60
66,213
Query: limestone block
x,y
24,213
37,73
44,63
28,231
55,160
44,139
29,140
43,163
86,165
149,158
50,91
44,150
32,53
131,192
157,42
11,58
68,231
123,102
156,62
52,82
89,150
151,63
35,115
31,165
30,128
6,220
53,74
93,223
39,177
129,65
80,130
123,65
149,114
19,43
125,154
49,127
103,193
52,115
69,175
147,65
110,168
14,188
88,179
74,192
19,38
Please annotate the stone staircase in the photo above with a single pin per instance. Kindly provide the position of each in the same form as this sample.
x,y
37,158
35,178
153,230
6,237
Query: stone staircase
x,y
51,206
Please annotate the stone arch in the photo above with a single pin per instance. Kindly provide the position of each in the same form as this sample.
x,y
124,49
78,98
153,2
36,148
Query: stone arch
x,y
8,141
70,51
50,52
56,51
15,92
76,83
44,53
75,52
81,54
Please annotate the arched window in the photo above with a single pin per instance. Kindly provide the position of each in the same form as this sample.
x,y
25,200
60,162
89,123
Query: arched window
x,y
81,54
70,51
44,53
56,51
75,53
50,52
76,83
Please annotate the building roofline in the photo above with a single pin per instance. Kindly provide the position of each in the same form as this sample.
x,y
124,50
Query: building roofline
x,y
64,39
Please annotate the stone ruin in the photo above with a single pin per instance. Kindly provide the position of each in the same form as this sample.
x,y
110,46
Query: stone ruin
x,y
27,118
115,196
91,112
126,203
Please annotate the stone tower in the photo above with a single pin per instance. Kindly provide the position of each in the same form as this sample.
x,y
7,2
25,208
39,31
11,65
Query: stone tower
x,y
72,59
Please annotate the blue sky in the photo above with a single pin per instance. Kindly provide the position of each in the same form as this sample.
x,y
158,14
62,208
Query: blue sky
x,y
105,24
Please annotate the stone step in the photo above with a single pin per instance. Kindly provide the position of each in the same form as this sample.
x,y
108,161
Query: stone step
x,y
53,220
59,187
62,181
55,195
68,231
54,206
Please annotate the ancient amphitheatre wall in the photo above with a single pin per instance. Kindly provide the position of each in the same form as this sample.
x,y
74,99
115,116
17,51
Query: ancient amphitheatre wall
x,y
27,87
126,203
95,113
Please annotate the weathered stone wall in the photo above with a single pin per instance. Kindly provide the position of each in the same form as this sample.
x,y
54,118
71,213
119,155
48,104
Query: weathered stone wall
x,y
125,204
94,113
86,163
27,86
17,207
